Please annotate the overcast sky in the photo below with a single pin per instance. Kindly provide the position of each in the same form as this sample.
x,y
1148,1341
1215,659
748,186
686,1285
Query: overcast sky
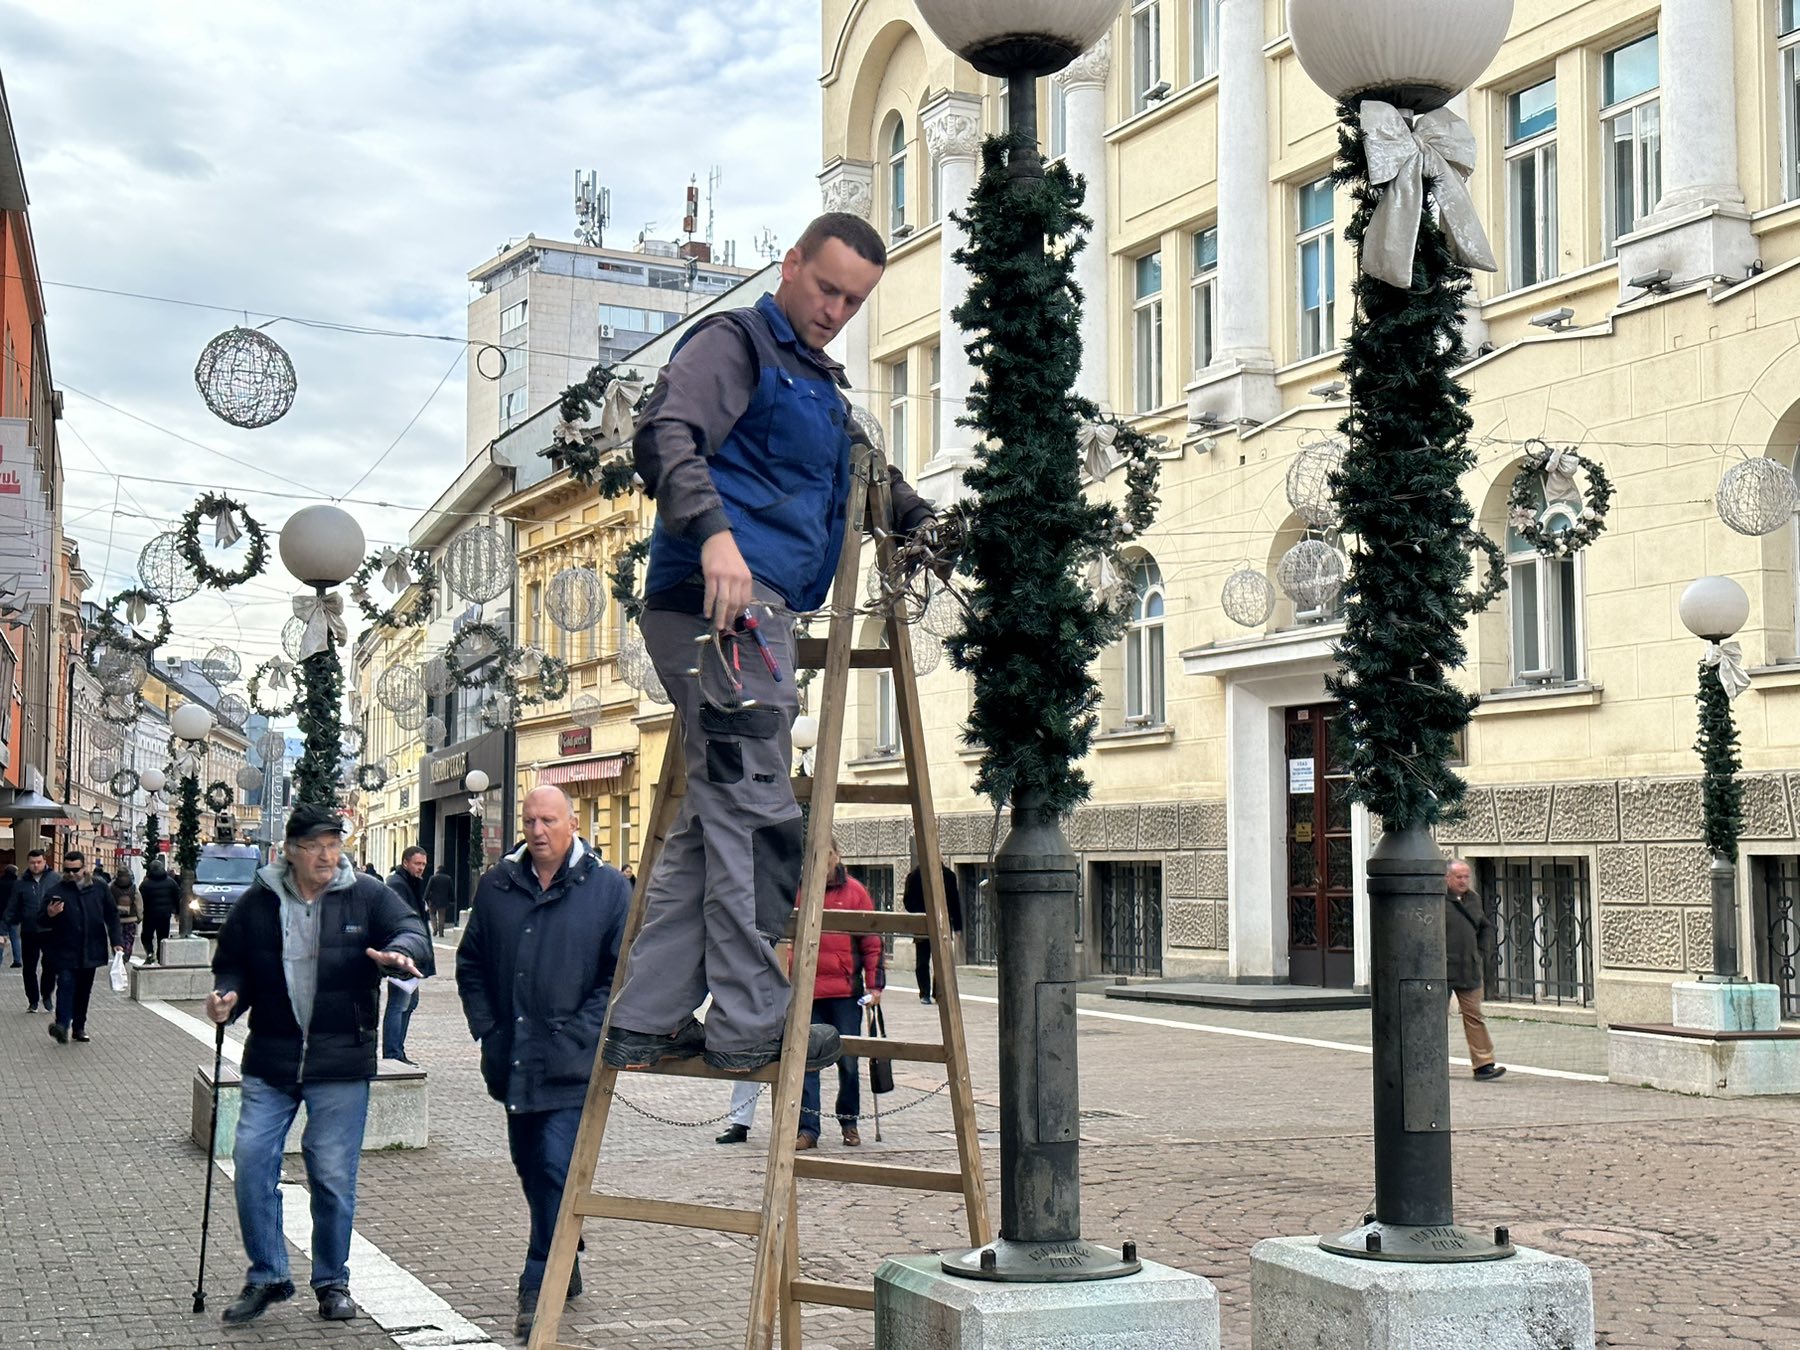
x,y
350,162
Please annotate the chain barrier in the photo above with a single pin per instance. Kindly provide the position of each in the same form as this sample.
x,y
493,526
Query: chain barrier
x,y
648,1114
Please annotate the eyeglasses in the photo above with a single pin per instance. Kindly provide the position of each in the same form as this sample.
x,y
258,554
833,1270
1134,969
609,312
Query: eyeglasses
x,y
314,847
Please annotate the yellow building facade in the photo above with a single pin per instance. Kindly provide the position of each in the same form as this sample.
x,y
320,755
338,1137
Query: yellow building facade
x,y
388,816
1639,182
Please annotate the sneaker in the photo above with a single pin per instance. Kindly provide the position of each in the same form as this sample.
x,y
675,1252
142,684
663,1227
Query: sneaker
x,y
335,1303
645,1050
824,1047
852,1137
804,1141
255,1299
58,1032
925,999
31,1008
1487,1073
734,1134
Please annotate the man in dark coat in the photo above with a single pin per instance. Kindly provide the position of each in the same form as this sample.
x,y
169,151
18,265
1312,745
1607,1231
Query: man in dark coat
x,y
408,882
304,950
1468,942
535,970
913,901
30,894
84,933
440,899
161,894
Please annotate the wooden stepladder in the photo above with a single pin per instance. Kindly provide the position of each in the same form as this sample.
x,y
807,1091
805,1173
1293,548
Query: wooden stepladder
x,y
778,1288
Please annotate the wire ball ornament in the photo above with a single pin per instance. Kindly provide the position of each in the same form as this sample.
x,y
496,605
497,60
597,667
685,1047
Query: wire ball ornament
x,y
233,711
221,665
104,737
869,426
1757,496
575,599
943,615
634,659
411,717
248,777
478,564
272,746
927,651
102,767
164,572
653,685
586,710
1309,489
246,378
119,671
1311,573
434,733
293,633
1248,598
435,674
400,689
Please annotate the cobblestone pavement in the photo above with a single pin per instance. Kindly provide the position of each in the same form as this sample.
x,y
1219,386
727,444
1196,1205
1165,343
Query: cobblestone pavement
x,y
1198,1144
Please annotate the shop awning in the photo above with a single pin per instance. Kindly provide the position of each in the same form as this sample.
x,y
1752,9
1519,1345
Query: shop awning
x,y
586,771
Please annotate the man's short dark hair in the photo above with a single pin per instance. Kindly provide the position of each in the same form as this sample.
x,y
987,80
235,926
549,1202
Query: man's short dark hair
x,y
853,230
74,855
416,851
35,853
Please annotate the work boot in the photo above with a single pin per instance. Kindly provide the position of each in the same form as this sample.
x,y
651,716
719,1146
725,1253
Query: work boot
x,y
645,1050
734,1134
852,1137
804,1141
251,1304
335,1303
524,1314
824,1047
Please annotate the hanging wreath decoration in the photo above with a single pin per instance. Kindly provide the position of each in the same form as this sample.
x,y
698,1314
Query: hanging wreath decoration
x,y
465,677
123,783
371,777
224,513
552,682
138,602
278,675
219,795
1550,471
399,568
622,575
594,436
1495,581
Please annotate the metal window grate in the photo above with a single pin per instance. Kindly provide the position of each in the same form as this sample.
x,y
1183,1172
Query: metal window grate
x,y
981,945
1776,889
1542,914
1129,896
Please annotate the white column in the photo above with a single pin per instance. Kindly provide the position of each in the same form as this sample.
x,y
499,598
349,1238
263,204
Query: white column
x,y
952,124
1701,226
849,185
1240,382
1084,86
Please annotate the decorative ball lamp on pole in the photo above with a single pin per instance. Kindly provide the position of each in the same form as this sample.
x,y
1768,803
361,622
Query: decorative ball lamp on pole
x,y
1033,628
191,723
1713,609
152,781
476,781
1392,65
321,546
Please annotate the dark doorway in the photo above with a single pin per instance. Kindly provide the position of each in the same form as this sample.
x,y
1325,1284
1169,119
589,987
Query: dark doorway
x,y
1321,864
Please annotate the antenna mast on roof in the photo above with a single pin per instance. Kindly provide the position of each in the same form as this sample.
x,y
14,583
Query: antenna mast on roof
x,y
593,208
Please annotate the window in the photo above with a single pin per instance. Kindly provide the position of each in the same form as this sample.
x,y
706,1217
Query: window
x,y
1204,294
1059,120
1144,648
1542,922
512,404
1531,185
897,178
631,319
884,726
1147,329
1631,138
937,399
1790,97
533,626
1545,596
1317,270
513,316
1146,51
897,428
1204,20
1128,897
1004,121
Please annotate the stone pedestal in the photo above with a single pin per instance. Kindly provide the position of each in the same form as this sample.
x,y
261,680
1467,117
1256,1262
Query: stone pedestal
x,y
1304,1298
399,1110
1726,1040
919,1307
183,971
184,951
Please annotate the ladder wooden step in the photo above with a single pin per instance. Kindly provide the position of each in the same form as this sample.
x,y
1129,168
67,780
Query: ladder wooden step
x,y
868,921
809,654
880,1047
835,1295
699,1068
635,1209
860,794
878,1174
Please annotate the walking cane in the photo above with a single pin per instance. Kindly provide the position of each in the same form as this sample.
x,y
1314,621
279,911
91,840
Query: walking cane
x,y
212,1144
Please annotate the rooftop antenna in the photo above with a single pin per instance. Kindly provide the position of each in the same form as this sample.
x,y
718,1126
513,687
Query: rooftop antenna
x,y
766,247
714,177
593,208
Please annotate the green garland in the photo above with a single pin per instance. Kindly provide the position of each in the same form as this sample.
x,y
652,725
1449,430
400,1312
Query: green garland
x,y
187,825
1721,792
1407,597
552,681
424,577
120,634
622,576
321,695
1524,499
219,796
1495,581
475,678
1031,629
612,469
152,837
253,692
188,541
477,854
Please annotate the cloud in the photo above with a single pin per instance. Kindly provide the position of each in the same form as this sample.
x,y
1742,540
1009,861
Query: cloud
x,y
350,163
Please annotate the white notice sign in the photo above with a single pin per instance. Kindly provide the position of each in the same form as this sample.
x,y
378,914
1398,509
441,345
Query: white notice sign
x,y
1300,777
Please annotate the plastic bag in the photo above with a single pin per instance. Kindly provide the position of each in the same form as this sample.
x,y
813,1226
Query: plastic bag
x,y
117,973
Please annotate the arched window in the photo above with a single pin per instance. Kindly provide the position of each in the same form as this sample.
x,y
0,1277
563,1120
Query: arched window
x,y
1144,647
897,177
1544,595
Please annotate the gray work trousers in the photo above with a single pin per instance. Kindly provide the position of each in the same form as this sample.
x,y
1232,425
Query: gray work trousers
x,y
724,885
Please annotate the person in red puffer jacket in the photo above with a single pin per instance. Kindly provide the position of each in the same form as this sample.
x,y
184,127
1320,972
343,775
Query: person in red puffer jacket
x,y
849,970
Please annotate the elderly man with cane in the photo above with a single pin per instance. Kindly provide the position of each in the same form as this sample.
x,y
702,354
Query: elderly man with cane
x,y
304,951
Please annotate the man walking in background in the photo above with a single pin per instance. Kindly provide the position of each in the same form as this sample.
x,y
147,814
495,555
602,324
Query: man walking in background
x,y
408,882
30,895
1468,942
913,901
162,897
83,935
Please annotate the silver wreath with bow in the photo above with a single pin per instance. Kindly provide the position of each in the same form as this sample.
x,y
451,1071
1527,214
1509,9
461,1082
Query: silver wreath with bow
x,y
1439,146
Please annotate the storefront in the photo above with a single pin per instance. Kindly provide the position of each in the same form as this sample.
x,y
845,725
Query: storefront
x,y
600,786
445,820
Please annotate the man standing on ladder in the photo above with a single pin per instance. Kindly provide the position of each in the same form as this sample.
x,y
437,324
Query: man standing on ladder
x,y
745,447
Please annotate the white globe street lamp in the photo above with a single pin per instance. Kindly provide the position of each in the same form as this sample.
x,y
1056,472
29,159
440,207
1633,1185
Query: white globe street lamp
x,y
322,546
191,722
1714,608
476,780
1419,54
1011,38
152,781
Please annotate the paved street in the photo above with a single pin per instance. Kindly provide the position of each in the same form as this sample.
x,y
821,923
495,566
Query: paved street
x,y
1204,1135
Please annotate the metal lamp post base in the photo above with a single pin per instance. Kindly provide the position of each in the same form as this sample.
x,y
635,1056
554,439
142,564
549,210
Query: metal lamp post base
x,y
1419,1243
1008,1262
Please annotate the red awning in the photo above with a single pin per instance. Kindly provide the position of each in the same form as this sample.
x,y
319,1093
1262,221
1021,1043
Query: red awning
x,y
587,771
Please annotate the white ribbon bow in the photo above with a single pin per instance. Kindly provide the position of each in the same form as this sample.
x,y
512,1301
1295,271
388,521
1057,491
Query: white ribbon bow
x,y
1728,657
278,673
324,616
225,530
1438,146
135,610
1096,441
396,575
1560,468
618,411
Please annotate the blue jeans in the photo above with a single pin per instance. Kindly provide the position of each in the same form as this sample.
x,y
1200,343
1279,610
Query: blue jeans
x,y
396,1020
332,1146
542,1143
846,1015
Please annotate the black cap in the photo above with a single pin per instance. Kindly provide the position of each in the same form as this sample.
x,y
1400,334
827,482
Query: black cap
x,y
307,819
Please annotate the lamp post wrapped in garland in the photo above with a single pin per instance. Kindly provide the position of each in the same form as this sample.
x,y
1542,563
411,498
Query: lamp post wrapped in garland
x,y
321,546
1393,65
191,723
1714,608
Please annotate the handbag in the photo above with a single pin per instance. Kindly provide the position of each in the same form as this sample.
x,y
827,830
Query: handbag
x,y
881,1071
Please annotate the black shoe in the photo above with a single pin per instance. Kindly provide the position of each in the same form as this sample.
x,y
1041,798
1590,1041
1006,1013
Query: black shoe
x,y
824,1047
251,1304
525,1314
81,1036
645,1050
575,1280
58,1032
734,1134
31,1008
925,999
335,1304
1487,1073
